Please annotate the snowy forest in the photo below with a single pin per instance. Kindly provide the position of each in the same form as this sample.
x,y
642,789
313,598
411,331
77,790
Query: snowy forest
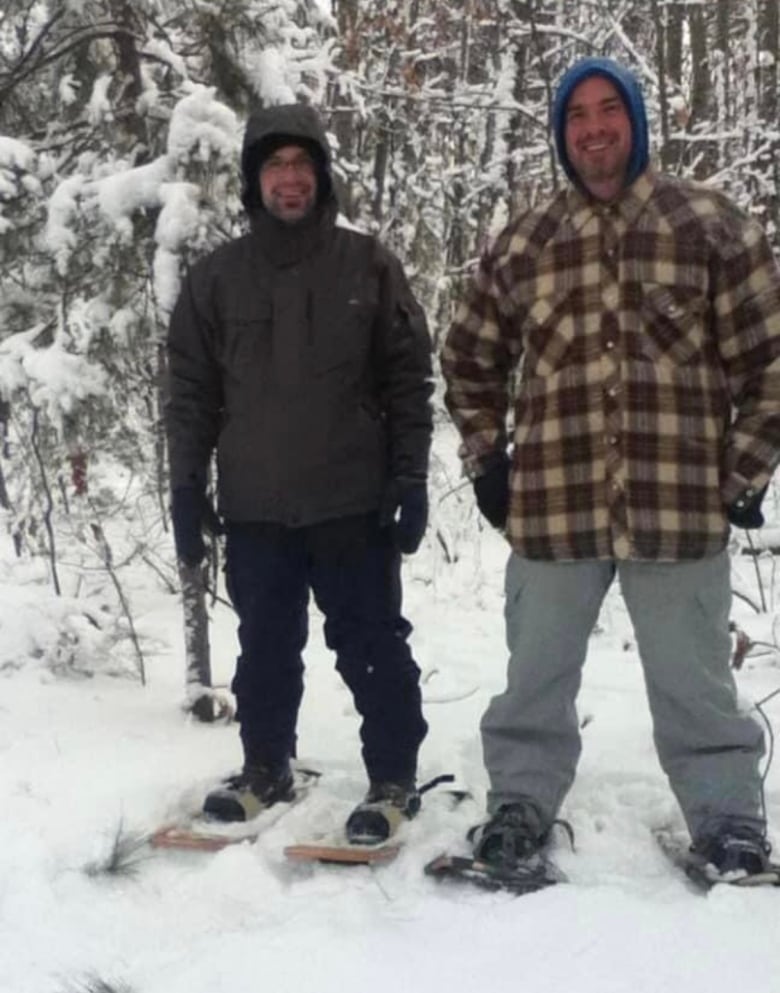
x,y
120,129
120,125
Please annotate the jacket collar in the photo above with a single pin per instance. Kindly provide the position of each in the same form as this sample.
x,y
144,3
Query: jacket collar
x,y
287,244
627,207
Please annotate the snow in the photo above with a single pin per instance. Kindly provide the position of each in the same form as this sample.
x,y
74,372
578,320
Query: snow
x,y
68,89
99,107
268,72
59,238
178,222
83,755
86,751
199,121
57,380
15,154
16,160
123,193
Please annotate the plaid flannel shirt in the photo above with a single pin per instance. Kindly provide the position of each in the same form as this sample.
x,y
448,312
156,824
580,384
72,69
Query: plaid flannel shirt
x,y
636,347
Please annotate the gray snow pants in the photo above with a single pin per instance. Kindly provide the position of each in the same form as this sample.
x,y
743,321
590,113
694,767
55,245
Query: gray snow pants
x,y
709,749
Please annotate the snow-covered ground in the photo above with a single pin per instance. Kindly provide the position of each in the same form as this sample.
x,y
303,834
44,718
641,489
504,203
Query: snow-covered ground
x,y
81,758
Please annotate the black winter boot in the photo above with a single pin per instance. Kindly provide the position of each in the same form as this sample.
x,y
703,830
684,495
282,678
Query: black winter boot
x,y
254,789
514,833
741,851
380,814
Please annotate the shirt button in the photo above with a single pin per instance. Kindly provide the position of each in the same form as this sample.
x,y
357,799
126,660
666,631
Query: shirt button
x,y
610,344
610,297
622,547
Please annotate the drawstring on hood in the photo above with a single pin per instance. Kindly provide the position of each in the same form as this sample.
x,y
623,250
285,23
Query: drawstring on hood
x,y
630,93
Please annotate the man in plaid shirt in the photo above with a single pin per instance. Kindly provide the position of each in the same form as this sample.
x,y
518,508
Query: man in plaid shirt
x,y
630,329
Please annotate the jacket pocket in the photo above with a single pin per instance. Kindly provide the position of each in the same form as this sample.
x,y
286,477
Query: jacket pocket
x,y
548,335
673,323
247,341
343,340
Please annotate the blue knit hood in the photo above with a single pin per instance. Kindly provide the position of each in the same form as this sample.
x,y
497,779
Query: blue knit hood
x,y
627,86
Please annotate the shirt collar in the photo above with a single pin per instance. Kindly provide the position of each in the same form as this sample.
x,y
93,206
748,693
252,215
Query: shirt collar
x,y
627,207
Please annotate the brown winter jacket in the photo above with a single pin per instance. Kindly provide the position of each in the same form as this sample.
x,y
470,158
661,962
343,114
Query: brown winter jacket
x,y
301,354
641,340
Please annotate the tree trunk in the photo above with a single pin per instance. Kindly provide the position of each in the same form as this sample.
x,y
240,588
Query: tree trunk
x,y
674,43
659,22
769,92
197,651
701,99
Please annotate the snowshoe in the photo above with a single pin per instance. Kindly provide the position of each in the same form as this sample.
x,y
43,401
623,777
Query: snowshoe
x,y
205,833
728,859
519,877
509,852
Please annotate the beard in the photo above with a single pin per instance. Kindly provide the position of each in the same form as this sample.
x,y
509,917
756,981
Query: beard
x,y
608,168
289,209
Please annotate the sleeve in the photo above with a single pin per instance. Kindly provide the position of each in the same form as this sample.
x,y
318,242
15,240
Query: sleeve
x,y
193,401
746,306
404,374
477,360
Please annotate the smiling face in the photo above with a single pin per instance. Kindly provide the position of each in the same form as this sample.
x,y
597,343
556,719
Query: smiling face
x,y
288,183
598,137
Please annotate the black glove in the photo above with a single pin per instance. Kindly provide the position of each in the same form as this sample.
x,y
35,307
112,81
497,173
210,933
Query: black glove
x,y
745,512
191,512
492,491
405,506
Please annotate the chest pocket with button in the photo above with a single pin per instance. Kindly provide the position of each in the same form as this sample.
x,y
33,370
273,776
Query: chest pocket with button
x,y
549,338
673,324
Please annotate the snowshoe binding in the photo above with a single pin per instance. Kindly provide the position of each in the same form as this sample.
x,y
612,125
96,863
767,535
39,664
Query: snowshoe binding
x,y
377,817
255,788
738,857
509,853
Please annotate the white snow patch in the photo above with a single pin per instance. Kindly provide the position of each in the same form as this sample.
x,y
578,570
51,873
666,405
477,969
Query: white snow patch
x,y
269,72
202,127
15,154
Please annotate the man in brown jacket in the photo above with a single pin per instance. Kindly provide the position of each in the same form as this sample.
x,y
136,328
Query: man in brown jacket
x,y
632,324
300,354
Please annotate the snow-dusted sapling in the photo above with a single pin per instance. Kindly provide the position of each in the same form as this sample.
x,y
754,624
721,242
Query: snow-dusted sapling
x,y
300,354
637,316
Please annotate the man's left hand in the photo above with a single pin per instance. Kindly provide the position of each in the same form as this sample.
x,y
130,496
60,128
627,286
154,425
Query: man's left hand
x,y
405,507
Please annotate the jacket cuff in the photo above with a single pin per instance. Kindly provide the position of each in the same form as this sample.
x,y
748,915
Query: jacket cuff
x,y
736,487
474,467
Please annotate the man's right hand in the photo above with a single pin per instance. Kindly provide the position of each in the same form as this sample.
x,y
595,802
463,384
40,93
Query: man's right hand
x,y
492,491
191,512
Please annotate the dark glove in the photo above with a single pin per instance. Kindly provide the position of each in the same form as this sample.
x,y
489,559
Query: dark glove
x,y
745,512
191,513
492,491
405,506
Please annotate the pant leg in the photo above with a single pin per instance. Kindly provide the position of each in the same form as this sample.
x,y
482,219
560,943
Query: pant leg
x,y
356,581
709,748
267,581
530,732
